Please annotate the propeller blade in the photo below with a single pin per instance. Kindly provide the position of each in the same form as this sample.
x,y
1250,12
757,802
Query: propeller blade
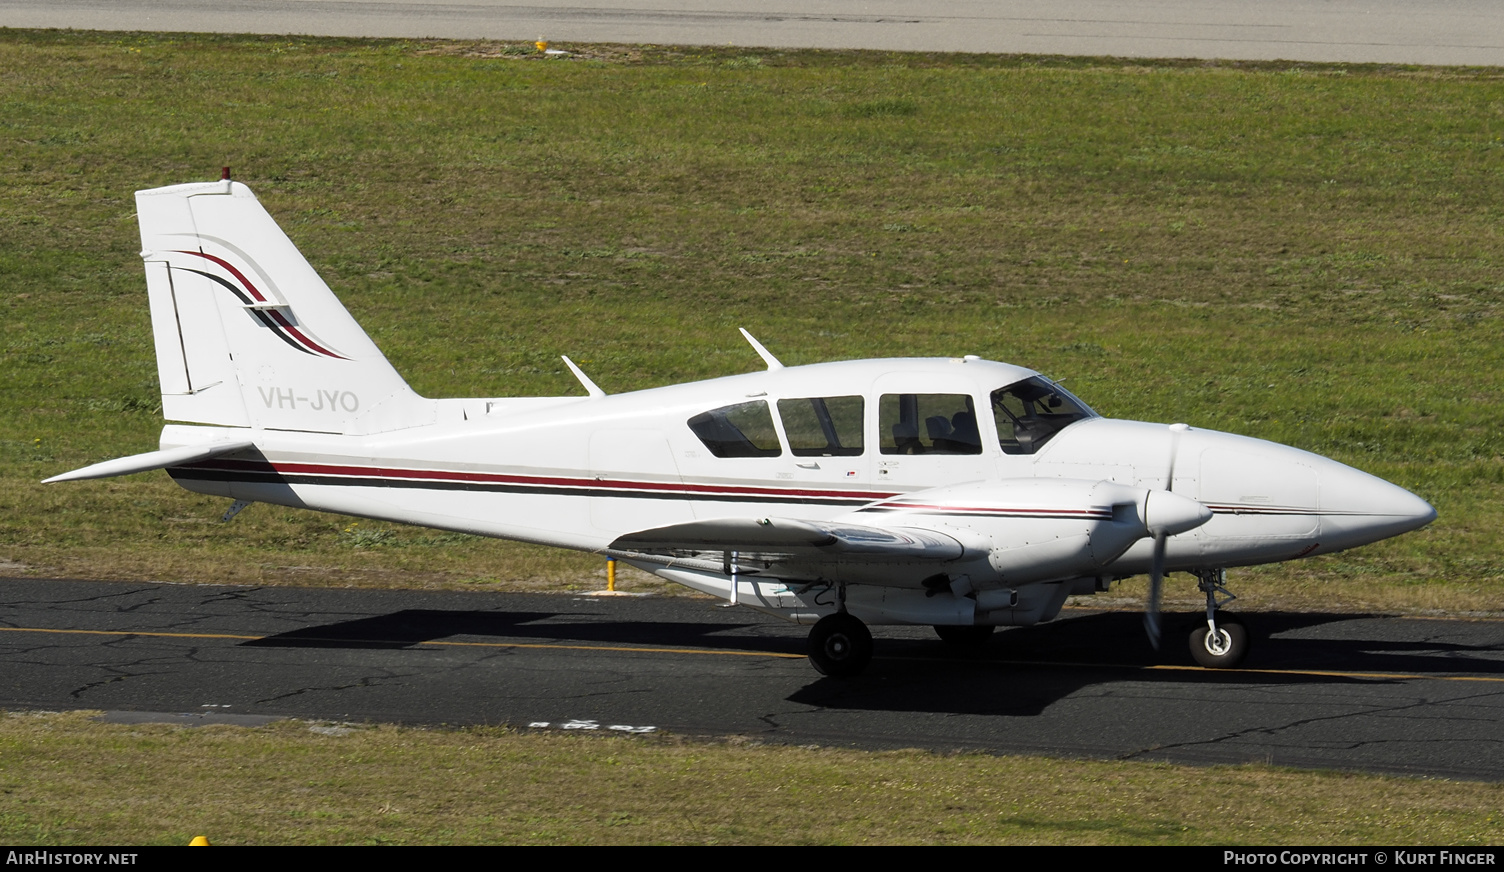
x,y
1156,588
1162,535
1175,431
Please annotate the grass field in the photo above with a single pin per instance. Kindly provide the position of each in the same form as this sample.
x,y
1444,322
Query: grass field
x,y
69,781
1307,254
1303,253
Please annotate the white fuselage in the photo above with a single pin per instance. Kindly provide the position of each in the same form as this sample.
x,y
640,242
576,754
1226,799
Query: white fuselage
x,y
579,473
951,492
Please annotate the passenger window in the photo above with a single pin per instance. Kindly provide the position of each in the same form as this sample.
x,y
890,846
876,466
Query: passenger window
x,y
928,424
742,430
823,426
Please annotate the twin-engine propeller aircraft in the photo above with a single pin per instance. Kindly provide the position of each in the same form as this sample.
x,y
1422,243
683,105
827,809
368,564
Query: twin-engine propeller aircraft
x,y
959,493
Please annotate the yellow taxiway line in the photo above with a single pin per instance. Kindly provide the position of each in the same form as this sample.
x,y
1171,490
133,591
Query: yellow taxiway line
x,y
1317,673
406,642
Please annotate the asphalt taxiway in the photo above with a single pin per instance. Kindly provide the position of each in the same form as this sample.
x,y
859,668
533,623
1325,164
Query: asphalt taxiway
x,y
1465,32
1361,692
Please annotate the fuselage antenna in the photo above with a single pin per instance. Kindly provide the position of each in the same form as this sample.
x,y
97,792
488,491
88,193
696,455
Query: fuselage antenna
x,y
766,355
590,387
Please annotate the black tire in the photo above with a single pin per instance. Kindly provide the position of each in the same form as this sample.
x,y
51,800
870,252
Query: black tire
x,y
1224,652
840,646
964,637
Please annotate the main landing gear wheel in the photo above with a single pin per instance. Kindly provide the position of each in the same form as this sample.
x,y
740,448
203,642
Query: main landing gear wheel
x,y
1223,649
840,646
964,637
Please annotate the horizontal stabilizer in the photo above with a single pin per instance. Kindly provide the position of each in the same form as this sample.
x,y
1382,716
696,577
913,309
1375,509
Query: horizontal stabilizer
x,y
787,536
151,460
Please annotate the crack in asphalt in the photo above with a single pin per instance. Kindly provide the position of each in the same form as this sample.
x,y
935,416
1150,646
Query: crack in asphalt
x,y
1273,731
76,694
772,719
364,682
66,604
237,595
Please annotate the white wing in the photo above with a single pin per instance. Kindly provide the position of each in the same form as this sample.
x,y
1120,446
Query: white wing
x,y
779,539
1003,532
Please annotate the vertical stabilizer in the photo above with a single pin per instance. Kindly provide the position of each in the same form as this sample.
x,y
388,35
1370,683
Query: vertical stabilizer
x,y
247,334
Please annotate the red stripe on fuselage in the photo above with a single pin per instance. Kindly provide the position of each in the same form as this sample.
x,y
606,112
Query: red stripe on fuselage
x,y
344,471
994,510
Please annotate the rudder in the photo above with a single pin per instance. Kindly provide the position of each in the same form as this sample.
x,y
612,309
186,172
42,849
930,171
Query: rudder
x,y
247,334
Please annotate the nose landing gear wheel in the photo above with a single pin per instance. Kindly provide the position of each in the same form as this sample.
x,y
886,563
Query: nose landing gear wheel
x,y
840,646
1223,650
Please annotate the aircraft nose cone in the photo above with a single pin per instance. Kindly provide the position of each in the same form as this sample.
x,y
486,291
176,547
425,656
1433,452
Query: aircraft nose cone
x,y
1412,511
1357,507
1171,513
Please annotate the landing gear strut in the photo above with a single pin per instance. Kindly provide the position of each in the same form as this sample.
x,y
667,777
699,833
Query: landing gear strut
x,y
1220,644
840,646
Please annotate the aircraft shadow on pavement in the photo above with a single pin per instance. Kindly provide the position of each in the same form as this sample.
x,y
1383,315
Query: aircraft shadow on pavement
x,y
1310,641
411,627
1314,642
1023,670
1373,643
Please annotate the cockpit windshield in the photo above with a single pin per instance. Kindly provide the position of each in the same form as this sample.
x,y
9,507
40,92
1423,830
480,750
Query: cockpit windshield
x,y
1029,414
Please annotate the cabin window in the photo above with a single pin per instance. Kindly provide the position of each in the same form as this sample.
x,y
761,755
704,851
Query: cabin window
x,y
742,430
1031,412
928,424
823,426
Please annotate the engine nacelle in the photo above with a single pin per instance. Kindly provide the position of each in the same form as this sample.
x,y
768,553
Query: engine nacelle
x,y
1038,530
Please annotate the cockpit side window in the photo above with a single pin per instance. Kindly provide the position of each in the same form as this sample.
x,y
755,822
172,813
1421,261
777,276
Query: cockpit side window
x,y
742,430
823,426
1029,414
928,424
